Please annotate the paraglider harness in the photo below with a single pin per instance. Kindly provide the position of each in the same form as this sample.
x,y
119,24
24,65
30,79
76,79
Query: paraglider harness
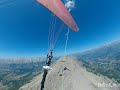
x,y
49,58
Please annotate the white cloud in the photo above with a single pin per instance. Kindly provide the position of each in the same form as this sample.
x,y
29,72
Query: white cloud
x,y
70,4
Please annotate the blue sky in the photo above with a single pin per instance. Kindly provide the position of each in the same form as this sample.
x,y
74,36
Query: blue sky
x,y
24,27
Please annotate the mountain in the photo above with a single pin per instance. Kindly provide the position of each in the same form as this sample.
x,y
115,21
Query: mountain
x,y
69,74
14,75
21,60
108,52
104,60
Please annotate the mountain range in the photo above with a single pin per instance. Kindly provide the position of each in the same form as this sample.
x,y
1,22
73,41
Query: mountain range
x,y
104,60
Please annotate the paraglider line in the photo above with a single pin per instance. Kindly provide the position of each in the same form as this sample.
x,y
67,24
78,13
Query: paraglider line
x,y
53,32
58,34
49,35
67,38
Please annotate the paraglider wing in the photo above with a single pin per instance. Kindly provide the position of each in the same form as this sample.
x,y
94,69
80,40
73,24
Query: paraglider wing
x,y
58,8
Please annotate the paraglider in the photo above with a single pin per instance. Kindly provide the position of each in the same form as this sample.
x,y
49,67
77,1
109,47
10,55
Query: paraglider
x,y
59,9
63,13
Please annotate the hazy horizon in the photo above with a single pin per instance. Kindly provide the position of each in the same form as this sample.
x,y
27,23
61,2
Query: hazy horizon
x,y
24,27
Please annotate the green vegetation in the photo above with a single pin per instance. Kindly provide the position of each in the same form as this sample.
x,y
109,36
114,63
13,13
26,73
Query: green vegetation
x,y
17,74
104,60
112,71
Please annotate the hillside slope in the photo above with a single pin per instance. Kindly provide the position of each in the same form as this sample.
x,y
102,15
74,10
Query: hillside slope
x,y
104,60
68,74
